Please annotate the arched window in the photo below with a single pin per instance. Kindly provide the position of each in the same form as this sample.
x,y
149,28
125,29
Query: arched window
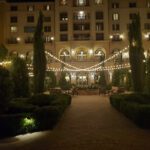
x,y
81,55
64,55
99,54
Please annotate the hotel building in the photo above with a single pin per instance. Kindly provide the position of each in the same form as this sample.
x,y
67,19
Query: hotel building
x,y
79,32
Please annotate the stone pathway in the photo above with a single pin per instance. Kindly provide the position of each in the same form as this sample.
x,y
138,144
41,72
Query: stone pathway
x,y
90,123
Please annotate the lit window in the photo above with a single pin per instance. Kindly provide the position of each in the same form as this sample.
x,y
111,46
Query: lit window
x,y
115,16
47,39
98,2
30,8
13,29
47,7
81,15
63,2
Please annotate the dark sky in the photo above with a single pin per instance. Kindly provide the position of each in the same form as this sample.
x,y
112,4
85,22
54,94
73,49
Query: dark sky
x,y
30,0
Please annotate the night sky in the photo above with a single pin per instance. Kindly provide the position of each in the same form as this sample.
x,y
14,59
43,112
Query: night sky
x,y
30,0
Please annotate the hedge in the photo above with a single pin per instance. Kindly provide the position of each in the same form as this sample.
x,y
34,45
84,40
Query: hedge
x,y
134,106
40,112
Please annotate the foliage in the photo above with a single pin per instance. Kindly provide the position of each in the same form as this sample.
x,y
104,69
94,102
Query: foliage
x,y
134,106
39,59
102,80
63,83
5,88
3,52
40,112
147,80
20,78
51,80
136,53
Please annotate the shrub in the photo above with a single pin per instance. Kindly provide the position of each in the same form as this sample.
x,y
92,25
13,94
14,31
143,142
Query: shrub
x,y
5,88
134,106
42,99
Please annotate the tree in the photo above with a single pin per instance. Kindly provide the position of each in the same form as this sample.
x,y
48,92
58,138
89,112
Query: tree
x,y
5,88
63,83
102,80
3,52
147,83
136,53
39,58
20,77
51,79
116,78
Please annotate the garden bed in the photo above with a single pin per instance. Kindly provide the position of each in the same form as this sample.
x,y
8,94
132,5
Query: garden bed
x,y
134,106
40,112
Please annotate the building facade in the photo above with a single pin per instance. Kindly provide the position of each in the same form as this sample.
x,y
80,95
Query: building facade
x,y
79,32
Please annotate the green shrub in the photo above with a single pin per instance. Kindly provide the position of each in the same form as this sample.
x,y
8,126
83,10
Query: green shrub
x,y
42,99
134,106
20,105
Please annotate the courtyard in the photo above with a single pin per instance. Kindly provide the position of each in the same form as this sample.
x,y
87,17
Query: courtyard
x,y
90,123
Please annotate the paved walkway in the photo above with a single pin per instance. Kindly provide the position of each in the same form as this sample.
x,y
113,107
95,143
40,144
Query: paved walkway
x,y
89,124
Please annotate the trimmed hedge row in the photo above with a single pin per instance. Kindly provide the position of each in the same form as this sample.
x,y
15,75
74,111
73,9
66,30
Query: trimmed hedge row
x,y
134,106
40,112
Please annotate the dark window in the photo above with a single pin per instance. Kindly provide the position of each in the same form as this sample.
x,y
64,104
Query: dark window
x,y
63,37
13,8
115,5
29,29
99,15
47,19
81,26
115,27
81,37
147,26
132,16
14,19
99,36
63,16
47,29
64,27
148,15
30,19
132,5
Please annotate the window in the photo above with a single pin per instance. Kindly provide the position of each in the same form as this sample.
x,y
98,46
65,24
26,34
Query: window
x,y
29,29
63,16
30,19
99,36
115,5
132,5
14,19
81,37
115,16
115,27
132,16
30,8
47,39
63,37
13,8
148,4
98,2
100,26
64,27
13,29
148,15
47,19
99,15
47,7
47,29
147,26
116,37
81,2
63,2
81,26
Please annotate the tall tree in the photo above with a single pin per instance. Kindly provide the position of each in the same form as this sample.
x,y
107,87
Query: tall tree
x,y
147,84
136,53
3,52
39,58
20,77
